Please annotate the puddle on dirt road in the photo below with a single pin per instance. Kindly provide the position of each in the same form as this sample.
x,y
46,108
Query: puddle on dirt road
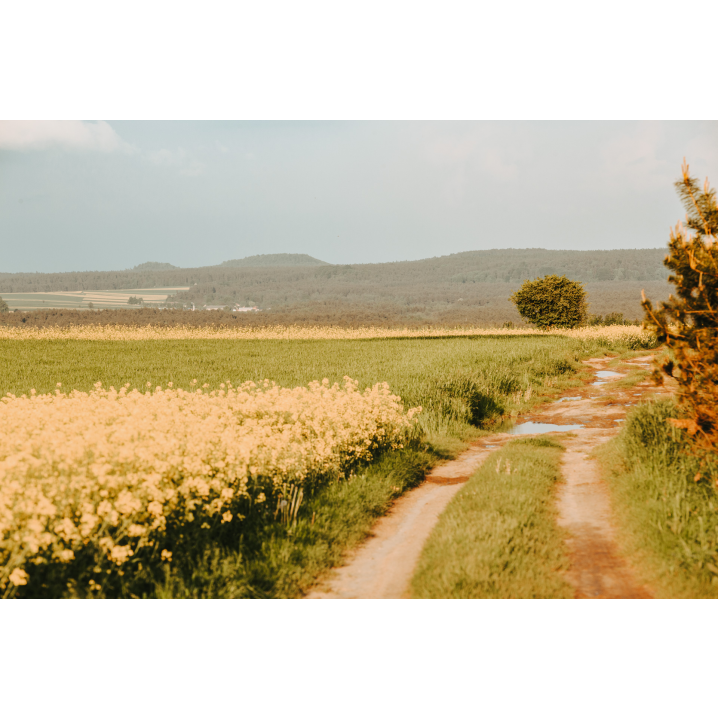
x,y
569,398
531,427
605,375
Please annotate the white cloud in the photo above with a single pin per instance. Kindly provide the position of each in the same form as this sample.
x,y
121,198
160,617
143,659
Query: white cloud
x,y
20,135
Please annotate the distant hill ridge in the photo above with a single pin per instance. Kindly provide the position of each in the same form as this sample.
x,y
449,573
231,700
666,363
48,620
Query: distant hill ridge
x,y
152,267
275,260
256,260
511,265
483,265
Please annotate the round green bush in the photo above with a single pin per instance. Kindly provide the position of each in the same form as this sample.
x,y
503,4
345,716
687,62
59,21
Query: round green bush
x,y
551,301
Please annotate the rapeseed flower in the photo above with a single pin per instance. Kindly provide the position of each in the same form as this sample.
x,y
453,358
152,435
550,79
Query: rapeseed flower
x,y
110,468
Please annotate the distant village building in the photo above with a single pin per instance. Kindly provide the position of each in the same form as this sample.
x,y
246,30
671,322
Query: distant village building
x,y
235,308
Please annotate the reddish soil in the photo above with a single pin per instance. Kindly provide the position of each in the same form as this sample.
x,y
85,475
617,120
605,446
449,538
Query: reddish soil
x,y
597,568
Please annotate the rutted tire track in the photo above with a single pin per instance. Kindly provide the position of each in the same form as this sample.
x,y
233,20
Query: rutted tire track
x,y
383,565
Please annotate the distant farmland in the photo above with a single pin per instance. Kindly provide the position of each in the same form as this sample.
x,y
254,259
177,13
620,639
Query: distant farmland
x,y
100,299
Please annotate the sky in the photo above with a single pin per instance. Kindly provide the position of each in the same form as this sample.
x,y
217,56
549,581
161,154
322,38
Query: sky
x,y
103,195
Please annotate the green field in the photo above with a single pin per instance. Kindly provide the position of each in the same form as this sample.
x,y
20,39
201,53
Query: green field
x,y
461,382
466,385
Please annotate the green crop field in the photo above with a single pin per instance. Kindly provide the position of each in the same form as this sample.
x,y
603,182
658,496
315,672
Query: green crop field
x,y
460,381
465,385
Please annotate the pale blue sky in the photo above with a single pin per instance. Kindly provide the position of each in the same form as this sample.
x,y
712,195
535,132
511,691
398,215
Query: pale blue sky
x,y
86,196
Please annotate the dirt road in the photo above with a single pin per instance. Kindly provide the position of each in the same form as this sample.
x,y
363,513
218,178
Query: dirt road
x,y
382,567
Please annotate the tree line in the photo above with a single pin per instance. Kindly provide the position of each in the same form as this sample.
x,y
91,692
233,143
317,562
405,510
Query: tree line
x,y
491,308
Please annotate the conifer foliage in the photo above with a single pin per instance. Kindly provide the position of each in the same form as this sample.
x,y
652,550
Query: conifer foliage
x,y
688,322
551,301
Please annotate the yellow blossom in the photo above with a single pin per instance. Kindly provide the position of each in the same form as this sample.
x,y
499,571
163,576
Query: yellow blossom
x,y
120,554
18,577
112,467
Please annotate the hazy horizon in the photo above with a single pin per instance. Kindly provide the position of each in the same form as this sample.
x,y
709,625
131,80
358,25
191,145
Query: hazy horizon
x,y
80,196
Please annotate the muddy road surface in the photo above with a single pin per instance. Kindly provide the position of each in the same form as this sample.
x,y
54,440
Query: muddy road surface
x,y
383,565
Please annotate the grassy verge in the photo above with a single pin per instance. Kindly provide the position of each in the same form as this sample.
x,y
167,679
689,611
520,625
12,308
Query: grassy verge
x,y
498,537
668,522
285,560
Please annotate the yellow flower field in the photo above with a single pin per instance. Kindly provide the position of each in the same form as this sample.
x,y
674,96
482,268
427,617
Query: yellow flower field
x,y
115,468
120,333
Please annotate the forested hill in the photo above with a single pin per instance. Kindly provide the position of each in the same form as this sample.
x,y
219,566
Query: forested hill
x,y
275,260
153,267
482,266
454,286
510,265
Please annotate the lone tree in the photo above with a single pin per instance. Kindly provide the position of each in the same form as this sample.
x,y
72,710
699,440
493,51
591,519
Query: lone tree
x,y
3,306
551,301
688,322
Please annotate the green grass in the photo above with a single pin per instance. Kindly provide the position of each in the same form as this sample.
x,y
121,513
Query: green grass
x,y
498,537
283,561
668,523
633,377
461,382
467,386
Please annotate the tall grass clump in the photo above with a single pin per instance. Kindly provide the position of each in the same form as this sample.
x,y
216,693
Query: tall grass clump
x,y
668,520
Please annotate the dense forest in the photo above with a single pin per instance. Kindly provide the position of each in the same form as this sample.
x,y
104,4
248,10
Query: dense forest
x,y
464,288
